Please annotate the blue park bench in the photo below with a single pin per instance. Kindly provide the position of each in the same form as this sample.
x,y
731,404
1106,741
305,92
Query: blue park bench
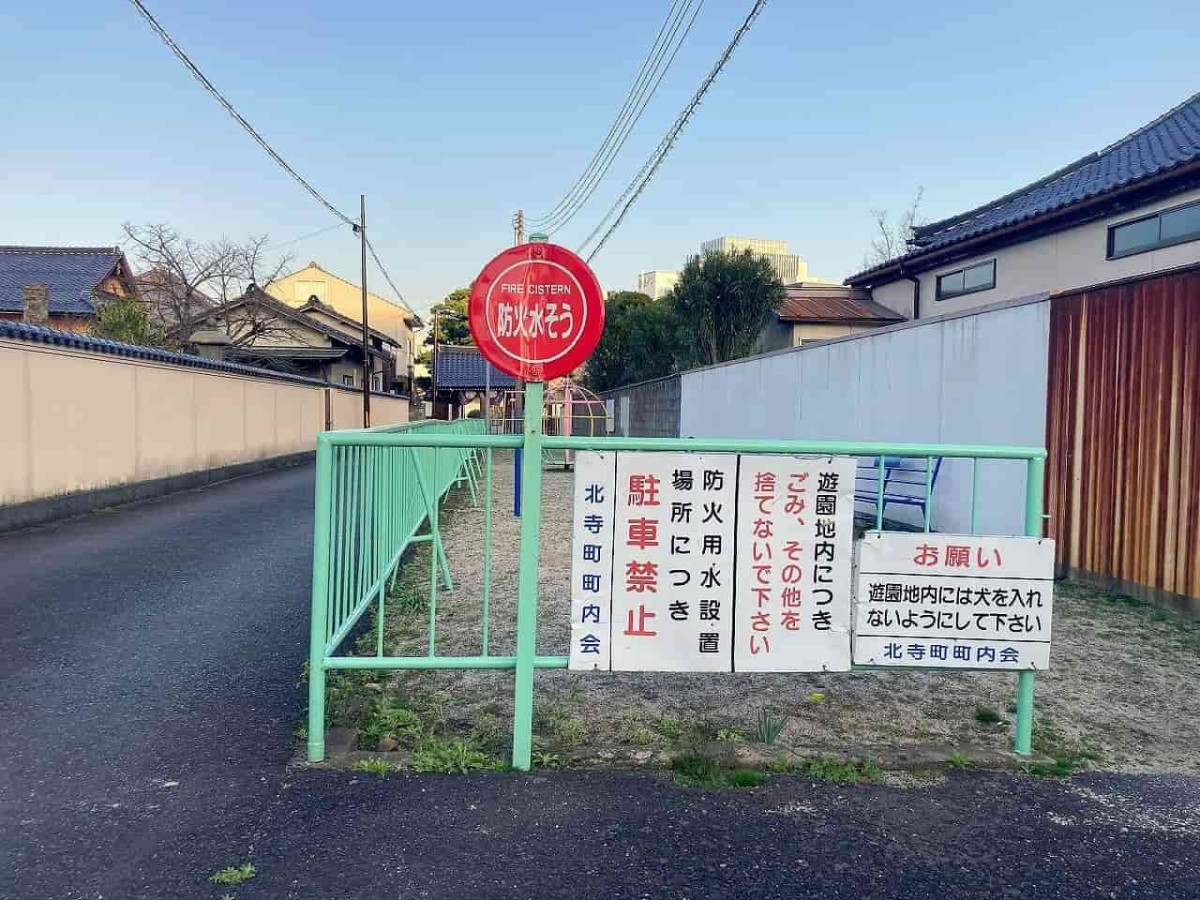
x,y
903,481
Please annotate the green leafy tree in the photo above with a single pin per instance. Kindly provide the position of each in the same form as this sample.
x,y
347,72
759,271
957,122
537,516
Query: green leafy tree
x,y
721,303
639,342
452,320
125,319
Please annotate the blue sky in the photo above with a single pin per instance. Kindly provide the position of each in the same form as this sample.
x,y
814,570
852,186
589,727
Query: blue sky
x,y
451,115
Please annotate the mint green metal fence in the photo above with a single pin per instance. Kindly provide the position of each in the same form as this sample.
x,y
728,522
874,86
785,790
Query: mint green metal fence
x,y
372,500
376,489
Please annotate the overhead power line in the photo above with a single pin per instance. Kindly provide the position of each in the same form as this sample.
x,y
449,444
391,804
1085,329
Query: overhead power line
x,y
237,116
653,71
642,178
387,276
674,15
305,237
262,142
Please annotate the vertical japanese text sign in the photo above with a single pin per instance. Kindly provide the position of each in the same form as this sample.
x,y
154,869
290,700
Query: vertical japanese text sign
x,y
673,562
795,537
954,601
591,560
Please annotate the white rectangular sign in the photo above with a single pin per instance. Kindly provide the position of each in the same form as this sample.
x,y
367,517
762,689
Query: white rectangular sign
x,y
673,558
795,531
946,600
591,560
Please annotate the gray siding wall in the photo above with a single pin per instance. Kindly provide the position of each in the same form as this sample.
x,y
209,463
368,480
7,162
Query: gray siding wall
x,y
649,409
977,378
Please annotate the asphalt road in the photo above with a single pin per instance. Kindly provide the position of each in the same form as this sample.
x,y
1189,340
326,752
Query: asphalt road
x,y
148,667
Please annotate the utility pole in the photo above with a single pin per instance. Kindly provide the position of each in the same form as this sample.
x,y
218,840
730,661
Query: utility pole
x,y
519,226
433,358
366,345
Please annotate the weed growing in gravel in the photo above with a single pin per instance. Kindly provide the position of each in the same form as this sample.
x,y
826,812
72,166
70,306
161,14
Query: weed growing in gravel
x,y
410,598
347,702
958,760
544,760
696,771
634,730
378,767
488,733
1060,768
985,715
570,732
836,771
692,770
389,718
768,727
433,708
672,727
233,875
1069,757
436,755
730,736
642,736
564,729
745,778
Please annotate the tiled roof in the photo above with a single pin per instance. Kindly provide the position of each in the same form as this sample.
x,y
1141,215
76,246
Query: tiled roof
x,y
355,325
463,368
281,310
70,274
1170,141
832,303
53,336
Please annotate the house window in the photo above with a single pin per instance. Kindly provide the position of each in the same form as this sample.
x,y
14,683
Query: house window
x,y
348,379
980,277
1163,229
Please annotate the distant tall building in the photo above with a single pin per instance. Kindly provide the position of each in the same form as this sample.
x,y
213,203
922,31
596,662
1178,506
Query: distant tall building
x,y
658,282
787,266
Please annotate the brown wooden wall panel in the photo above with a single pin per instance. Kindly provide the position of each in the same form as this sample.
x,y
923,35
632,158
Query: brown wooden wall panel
x,y
1123,431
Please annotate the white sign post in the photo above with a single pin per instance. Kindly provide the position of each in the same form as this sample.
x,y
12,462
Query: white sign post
x,y
673,553
953,601
795,531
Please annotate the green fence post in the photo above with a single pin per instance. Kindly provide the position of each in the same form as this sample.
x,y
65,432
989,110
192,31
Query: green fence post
x,y
320,602
487,552
527,595
1034,488
974,495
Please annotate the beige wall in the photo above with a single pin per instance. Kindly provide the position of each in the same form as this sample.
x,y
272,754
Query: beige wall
x,y
803,333
74,421
345,409
1073,258
346,298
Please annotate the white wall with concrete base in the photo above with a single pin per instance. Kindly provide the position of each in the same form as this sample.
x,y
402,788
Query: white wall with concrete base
x,y
973,378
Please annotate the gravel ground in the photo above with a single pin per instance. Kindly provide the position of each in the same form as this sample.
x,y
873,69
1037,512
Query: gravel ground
x,y
1123,691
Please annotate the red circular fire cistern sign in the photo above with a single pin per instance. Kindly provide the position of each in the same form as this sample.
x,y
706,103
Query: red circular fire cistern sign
x,y
536,311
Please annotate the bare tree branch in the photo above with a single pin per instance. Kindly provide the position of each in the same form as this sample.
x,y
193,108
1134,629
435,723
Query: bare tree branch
x,y
892,239
193,285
